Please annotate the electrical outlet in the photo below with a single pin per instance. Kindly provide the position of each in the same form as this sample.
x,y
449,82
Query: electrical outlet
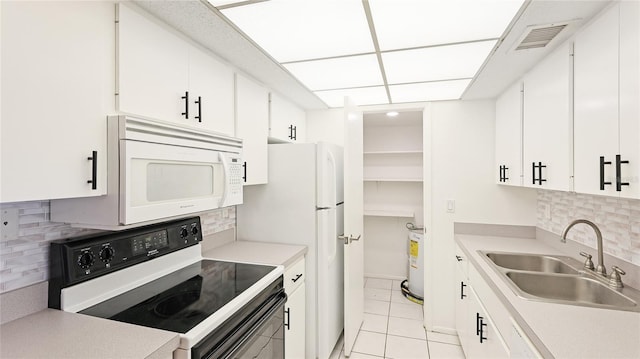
x,y
9,224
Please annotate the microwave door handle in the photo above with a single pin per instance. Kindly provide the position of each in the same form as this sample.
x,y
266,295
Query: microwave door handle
x,y
225,166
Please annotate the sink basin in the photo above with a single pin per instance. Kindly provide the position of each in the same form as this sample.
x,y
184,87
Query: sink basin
x,y
569,288
532,262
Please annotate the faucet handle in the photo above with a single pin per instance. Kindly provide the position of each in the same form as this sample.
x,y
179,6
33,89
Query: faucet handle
x,y
588,263
614,279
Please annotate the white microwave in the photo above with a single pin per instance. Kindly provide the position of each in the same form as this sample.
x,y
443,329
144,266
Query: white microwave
x,y
157,171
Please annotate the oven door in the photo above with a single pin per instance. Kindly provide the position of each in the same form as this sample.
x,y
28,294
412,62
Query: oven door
x,y
256,331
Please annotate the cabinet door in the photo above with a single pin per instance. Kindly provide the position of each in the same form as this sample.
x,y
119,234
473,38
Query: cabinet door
x,y
294,335
547,123
462,311
287,122
58,84
486,341
152,69
509,136
596,103
629,97
210,83
252,121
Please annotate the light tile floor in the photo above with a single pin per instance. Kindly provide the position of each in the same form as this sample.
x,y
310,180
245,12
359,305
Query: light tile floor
x,y
393,328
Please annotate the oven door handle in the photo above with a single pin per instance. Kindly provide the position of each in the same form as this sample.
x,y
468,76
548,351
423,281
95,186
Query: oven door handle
x,y
280,299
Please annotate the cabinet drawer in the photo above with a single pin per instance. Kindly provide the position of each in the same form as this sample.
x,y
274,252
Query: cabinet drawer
x,y
461,261
294,275
490,301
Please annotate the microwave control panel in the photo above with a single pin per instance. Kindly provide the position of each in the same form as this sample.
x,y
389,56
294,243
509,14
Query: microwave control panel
x,y
235,180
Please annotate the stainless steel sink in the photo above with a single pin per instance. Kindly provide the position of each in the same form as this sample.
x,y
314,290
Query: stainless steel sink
x,y
559,279
575,289
534,262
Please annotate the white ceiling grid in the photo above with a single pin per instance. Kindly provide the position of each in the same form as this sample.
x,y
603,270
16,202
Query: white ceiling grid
x,y
426,50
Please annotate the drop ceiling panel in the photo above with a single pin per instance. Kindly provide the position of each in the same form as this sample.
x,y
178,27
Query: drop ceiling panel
x,y
428,91
337,73
305,29
436,63
361,96
410,23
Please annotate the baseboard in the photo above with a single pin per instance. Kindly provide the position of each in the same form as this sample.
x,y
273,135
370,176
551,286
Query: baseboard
x,y
445,330
384,276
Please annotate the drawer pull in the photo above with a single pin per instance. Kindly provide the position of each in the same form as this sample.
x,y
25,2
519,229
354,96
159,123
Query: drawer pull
x,y
296,278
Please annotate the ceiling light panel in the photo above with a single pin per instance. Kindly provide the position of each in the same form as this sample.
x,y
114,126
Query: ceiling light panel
x,y
434,22
305,29
428,91
337,73
361,96
436,63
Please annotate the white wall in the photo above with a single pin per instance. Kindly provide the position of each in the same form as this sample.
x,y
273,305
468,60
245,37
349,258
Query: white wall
x,y
462,151
326,125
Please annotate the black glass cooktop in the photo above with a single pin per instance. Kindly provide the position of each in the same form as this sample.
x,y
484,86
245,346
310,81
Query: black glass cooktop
x,y
179,301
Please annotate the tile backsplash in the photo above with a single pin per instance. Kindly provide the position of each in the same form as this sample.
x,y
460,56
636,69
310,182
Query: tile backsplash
x,y
25,260
617,218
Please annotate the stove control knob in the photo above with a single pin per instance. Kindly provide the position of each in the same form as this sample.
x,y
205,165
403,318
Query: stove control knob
x,y
86,259
194,230
106,254
184,233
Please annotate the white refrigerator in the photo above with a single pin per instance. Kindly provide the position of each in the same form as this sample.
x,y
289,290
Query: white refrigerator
x,y
303,204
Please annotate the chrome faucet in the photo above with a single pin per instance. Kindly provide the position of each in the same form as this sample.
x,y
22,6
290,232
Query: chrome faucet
x,y
600,269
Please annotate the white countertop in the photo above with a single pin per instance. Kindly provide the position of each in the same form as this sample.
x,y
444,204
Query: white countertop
x,y
567,331
257,252
53,333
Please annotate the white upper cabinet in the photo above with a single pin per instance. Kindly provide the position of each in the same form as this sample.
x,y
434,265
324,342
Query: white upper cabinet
x,y
547,122
607,137
509,136
163,76
211,84
252,121
57,90
287,122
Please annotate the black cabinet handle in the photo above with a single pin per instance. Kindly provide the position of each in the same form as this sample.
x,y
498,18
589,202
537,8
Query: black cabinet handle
x,y
199,102
291,132
478,320
462,295
296,278
619,182
295,133
245,171
539,166
503,173
94,170
602,182
186,104
459,259
482,325
287,323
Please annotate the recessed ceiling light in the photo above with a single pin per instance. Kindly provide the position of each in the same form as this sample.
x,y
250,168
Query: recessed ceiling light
x,y
392,114
403,23
436,63
337,73
303,30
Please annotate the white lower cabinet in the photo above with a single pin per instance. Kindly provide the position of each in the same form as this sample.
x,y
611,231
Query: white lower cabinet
x,y
294,336
295,308
476,325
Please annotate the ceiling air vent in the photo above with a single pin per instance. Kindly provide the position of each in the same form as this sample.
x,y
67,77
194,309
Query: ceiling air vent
x,y
539,36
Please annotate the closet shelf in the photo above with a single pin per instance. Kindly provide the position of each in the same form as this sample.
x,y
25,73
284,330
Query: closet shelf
x,y
402,213
392,179
392,152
